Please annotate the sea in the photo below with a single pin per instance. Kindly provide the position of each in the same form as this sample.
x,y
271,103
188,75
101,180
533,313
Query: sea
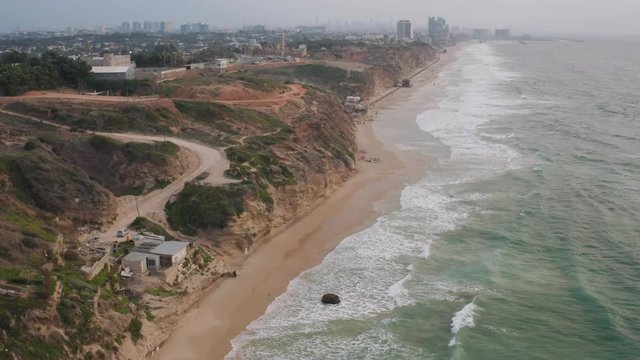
x,y
521,241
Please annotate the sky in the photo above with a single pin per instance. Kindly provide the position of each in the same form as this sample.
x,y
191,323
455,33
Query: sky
x,y
535,16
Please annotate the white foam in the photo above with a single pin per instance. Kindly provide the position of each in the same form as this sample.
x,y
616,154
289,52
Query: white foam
x,y
367,269
462,319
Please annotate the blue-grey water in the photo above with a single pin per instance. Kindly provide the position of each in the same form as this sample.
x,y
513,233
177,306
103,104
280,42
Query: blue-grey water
x,y
521,242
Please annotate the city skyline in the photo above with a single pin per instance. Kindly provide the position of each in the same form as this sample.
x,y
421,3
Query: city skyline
x,y
527,15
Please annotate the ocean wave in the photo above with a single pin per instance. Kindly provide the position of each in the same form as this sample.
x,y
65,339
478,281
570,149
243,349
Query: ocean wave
x,y
463,319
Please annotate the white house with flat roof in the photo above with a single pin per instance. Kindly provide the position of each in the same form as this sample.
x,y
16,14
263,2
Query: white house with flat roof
x,y
157,255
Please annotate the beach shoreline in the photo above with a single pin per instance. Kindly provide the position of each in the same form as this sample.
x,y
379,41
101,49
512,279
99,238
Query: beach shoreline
x,y
225,312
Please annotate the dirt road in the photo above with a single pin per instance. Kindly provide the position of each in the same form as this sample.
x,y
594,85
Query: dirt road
x,y
200,159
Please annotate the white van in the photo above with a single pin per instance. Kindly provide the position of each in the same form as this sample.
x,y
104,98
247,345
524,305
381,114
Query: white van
x,y
122,232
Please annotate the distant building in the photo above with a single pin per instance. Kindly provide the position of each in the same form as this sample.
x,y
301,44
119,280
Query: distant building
x,y
480,34
255,28
109,59
167,27
114,72
438,29
159,74
503,34
405,30
311,29
194,28
148,26
125,27
137,26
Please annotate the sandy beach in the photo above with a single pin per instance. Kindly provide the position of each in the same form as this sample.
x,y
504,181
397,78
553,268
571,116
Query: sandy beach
x,y
206,331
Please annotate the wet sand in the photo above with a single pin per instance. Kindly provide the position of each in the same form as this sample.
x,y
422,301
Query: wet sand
x,y
206,332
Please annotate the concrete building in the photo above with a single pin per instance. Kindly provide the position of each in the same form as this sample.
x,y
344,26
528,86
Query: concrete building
x,y
480,34
125,27
148,25
114,72
438,30
167,27
110,59
311,29
195,28
503,34
155,255
405,30
137,26
159,74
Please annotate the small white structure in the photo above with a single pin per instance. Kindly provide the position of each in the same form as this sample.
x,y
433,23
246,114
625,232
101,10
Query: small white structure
x,y
160,74
156,255
114,72
353,99
171,252
136,262
221,63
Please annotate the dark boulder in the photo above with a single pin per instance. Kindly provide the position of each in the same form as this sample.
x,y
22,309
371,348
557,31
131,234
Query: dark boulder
x,y
330,299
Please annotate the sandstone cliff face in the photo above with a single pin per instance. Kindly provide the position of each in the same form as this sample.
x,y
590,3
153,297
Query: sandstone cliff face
x,y
393,64
321,152
321,156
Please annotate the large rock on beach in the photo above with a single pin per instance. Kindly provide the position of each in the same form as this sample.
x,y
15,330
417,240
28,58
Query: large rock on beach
x,y
330,299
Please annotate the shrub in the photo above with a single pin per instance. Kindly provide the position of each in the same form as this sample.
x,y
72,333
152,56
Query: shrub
x,y
135,328
204,207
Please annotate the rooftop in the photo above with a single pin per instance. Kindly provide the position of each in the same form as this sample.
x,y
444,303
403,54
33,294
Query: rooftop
x,y
170,247
110,69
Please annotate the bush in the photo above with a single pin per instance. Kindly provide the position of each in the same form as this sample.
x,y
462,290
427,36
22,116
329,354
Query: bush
x,y
205,207
135,328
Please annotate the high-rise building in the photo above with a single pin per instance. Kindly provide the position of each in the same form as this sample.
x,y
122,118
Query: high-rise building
x,y
503,33
167,27
405,31
438,29
148,26
126,27
137,26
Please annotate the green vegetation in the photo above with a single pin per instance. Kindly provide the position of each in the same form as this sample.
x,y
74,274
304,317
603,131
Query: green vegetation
x,y
166,55
20,72
339,81
256,162
123,118
142,223
220,116
49,183
29,225
256,83
161,292
155,153
205,207
135,328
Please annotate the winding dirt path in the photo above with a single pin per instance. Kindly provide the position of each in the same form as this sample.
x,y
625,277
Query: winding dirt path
x,y
200,159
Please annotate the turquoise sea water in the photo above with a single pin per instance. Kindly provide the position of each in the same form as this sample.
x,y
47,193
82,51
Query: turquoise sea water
x,y
521,242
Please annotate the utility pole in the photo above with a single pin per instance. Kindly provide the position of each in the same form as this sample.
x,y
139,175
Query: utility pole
x,y
282,43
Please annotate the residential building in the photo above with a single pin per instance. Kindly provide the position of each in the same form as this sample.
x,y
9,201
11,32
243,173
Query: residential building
x,y
126,27
137,27
503,34
405,30
438,30
480,34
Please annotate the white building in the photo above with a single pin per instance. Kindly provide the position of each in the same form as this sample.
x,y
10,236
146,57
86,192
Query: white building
x,y
114,72
156,255
405,30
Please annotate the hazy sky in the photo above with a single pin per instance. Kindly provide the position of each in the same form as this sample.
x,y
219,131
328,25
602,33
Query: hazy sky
x,y
587,16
